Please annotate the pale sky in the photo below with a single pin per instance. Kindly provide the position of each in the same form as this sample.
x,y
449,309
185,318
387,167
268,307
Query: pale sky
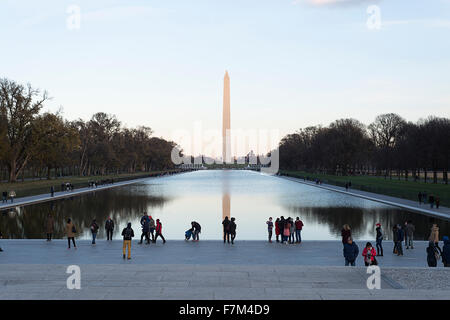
x,y
292,63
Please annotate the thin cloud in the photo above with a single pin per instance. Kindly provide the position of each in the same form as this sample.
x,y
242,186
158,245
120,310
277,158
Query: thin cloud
x,y
118,13
332,2
436,23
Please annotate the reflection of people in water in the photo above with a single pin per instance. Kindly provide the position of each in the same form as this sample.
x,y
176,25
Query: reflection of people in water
x,y
50,225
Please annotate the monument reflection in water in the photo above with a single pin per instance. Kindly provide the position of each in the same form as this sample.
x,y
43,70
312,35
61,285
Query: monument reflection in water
x,y
205,196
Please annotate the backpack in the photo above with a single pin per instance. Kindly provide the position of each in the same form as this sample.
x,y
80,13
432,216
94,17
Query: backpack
x,y
127,233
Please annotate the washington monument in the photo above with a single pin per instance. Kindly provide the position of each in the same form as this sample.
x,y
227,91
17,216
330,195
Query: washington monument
x,y
226,143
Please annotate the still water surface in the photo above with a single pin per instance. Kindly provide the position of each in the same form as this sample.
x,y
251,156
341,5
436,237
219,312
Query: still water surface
x,y
207,196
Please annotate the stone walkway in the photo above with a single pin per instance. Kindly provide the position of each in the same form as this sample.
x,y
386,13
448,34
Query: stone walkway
x,y
256,270
442,212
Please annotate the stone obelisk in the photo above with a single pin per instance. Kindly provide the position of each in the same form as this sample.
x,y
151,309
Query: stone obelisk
x,y
226,147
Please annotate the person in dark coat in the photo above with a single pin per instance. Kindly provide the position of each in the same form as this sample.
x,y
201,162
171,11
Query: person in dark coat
x,y
395,239
281,224
196,229
351,252
94,230
432,254
446,252
379,240
127,234
226,229
400,237
109,228
145,230
1,237
232,230
346,233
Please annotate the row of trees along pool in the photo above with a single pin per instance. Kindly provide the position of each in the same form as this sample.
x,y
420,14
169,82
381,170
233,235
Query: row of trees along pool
x,y
35,144
390,145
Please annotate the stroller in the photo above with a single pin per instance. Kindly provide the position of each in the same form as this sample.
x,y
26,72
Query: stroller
x,y
188,234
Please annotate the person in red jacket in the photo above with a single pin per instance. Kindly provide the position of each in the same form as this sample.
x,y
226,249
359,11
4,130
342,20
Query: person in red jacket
x,y
277,229
369,254
298,230
159,231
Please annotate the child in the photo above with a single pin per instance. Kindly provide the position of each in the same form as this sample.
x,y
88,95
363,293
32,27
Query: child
x,y
188,234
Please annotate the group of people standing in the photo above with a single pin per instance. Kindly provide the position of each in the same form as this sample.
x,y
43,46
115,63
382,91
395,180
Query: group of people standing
x,y
229,229
149,227
430,199
400,234
288,230
11,195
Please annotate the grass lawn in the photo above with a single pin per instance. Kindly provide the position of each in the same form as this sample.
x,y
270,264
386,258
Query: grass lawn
x,y
396,188
30,188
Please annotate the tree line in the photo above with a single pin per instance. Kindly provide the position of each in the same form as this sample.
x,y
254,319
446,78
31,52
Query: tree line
x,y
388,145
46,143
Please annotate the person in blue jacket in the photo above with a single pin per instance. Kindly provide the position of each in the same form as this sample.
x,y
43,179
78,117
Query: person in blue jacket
x,y
351,252
446,252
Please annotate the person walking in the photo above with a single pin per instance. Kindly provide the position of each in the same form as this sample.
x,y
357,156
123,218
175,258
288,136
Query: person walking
x,y
127,234
94,230
345,233
298,230
233,229
4,197
438,202
1,237
159,231
70,232
52,191
277,229
152,227
197,228
12,195
351,252
145,229
226,229
419,196
446,252
269,229
369,255
432,254
409,232
49,226
109,228
379,240
400,237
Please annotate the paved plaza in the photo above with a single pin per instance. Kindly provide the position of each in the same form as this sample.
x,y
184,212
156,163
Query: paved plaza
x,y
35,269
